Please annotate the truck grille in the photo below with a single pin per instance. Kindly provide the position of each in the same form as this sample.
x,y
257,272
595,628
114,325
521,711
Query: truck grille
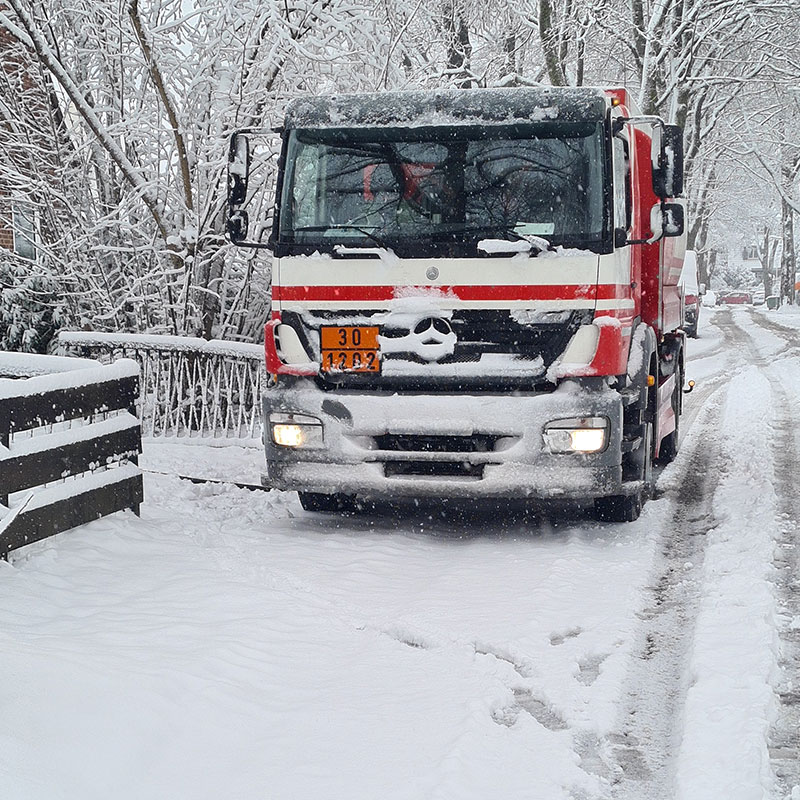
x,y
439,469
478,332
480,443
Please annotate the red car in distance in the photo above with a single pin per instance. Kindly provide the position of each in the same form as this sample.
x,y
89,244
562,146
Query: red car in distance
x,y
734,298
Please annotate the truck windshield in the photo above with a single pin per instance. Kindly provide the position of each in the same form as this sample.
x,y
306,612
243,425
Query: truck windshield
x,y
410,189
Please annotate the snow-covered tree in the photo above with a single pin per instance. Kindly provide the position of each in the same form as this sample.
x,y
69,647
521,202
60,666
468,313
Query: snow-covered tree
x,y
126,164
146,99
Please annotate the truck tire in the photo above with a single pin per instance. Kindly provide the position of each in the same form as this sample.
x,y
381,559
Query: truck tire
x,y
628,507
315,501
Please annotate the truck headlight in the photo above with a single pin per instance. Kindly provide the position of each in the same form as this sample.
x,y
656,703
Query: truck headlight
x,y
576,435
295,430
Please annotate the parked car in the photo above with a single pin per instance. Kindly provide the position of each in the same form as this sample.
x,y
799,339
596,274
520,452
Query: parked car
x,y
758,297
735,298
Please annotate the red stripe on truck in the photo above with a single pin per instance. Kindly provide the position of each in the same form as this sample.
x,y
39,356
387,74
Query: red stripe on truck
x,y
514,292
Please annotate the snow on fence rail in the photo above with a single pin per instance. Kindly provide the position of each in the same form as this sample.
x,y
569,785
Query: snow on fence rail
x,y
69,443
190,387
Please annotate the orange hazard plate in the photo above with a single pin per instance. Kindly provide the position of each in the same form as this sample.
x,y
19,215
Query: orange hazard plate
x,y
350,348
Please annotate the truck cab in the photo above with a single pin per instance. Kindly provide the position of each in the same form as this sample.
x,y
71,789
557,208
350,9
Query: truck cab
x,y
474,294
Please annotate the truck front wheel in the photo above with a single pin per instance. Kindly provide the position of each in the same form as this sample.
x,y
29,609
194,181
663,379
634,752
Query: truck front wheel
x,y
628,507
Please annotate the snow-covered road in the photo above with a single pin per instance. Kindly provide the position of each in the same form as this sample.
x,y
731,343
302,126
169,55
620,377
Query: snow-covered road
x,y
230,645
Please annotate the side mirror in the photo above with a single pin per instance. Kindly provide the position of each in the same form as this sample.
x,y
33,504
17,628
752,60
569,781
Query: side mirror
x,y
674,220
668,177
237,226
238,169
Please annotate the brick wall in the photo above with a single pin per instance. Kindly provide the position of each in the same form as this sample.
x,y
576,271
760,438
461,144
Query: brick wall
x,y
6,235
19,81
9,62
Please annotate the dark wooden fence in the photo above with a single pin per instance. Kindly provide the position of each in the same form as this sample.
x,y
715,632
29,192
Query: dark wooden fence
x,y
69,444
190,387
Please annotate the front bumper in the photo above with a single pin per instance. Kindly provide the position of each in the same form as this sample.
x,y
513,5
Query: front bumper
x,y
369,444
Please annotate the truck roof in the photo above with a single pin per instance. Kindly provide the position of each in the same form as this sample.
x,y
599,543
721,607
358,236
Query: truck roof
x,y
506,106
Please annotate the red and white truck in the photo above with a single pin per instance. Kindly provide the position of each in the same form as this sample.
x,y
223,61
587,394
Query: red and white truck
x,y
474,294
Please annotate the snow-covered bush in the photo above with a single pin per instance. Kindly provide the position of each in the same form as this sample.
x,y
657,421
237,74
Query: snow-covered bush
x,y
30,310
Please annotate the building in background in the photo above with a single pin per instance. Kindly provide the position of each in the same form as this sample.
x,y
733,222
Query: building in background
x,y
31,296
26,147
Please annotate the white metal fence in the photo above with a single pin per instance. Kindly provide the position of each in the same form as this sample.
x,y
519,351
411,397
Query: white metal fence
x,y
189,387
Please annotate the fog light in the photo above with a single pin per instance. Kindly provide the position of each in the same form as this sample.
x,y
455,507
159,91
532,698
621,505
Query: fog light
x,y
577,435
588,440
296,430
287,435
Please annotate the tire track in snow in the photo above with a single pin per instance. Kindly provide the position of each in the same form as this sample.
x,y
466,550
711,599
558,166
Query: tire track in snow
x,y
696,401
789,335
785,736
639,759
646,748
705,387
643,750
738,341
784,743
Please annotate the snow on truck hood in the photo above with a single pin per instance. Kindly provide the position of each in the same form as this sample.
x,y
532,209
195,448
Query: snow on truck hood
x,y
447,107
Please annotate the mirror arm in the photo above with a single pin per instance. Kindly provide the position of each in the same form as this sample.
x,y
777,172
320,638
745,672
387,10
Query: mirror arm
x,y
642,119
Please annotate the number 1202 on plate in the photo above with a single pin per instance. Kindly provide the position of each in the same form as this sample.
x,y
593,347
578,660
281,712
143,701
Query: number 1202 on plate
x,y
350,348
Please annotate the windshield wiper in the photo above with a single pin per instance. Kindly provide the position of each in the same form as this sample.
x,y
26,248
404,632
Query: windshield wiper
x,y
314,228
537,243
